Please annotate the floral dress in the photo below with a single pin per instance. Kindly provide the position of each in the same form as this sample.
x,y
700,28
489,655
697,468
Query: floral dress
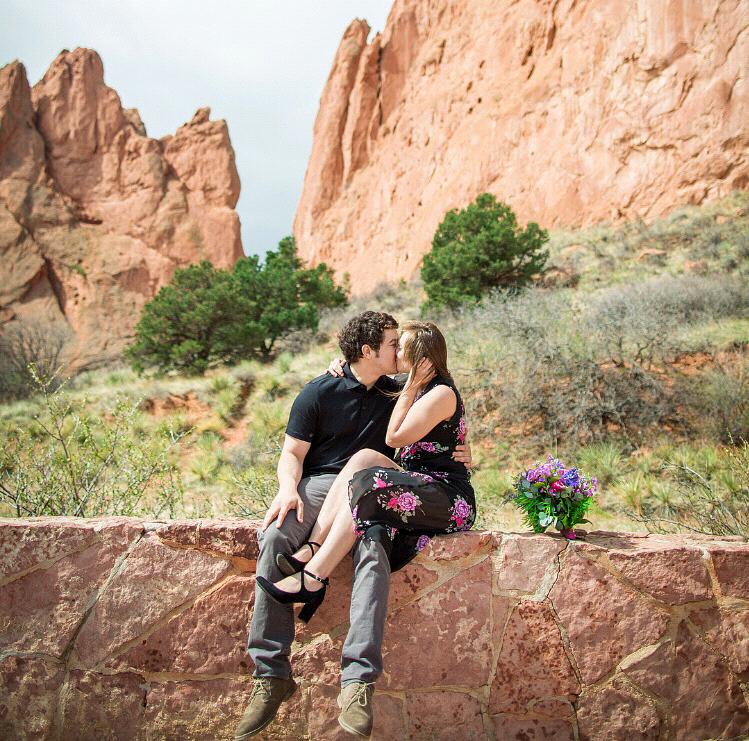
x,y
432,496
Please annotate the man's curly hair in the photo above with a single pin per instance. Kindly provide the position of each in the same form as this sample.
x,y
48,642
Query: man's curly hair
x,y
367,328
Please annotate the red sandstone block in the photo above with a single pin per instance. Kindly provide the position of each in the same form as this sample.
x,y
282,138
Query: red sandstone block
x,y
727,631
532,664
613,714
210,637
153,580
604,620
42,610
706,701
230,537
443,715
732,570
454,621
28,696
523,561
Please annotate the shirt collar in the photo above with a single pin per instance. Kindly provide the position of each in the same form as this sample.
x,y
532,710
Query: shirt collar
x,y
352,382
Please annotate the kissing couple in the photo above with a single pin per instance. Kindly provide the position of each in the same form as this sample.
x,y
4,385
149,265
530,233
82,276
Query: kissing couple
x,y
342,487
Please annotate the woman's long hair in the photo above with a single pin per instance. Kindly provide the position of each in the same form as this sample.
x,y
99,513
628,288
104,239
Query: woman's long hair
x,y
426,341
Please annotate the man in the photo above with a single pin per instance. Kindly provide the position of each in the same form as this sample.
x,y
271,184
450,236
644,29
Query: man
x,y
331,419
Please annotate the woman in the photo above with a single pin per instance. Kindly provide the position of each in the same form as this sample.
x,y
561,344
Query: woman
x,y
401,505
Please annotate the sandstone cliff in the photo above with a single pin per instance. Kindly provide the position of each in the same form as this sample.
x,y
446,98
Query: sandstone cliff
x,y
571,111
95,215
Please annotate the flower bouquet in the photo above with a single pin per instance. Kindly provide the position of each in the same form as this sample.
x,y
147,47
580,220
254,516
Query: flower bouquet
x,y
552,494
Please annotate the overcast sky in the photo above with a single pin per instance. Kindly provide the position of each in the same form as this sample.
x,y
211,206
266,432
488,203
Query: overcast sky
x,y
259,64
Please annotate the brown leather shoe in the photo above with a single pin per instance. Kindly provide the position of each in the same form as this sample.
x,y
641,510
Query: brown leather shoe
x,y
267,695
356,715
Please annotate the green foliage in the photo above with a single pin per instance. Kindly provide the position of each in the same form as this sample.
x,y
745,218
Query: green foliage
x,y
207,316
70,462
479,248
191,323
701,502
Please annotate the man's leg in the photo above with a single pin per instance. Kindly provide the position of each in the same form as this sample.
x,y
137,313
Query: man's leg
x,y
272,626
361,660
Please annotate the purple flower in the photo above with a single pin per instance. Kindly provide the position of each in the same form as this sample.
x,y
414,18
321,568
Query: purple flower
x,y
461,509
429,447
571,477
407,502
422,542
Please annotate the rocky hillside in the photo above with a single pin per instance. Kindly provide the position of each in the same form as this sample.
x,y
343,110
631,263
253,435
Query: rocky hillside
x,y
573,112
94,214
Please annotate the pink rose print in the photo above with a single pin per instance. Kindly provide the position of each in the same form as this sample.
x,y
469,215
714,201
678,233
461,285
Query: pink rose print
x,y
407,502
393,503
380,483
462,430
461,511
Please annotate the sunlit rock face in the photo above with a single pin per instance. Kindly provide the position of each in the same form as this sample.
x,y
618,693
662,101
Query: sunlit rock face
x,y
95,216
572,112
123,628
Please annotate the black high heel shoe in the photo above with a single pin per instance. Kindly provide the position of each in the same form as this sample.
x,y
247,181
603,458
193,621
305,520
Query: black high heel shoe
x,y
310,600
288,565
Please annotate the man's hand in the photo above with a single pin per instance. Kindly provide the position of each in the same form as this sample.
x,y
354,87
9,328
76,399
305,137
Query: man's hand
x,y
281,505
462,454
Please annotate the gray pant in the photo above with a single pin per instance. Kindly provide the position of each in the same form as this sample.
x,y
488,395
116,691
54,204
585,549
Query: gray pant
x,y
272,625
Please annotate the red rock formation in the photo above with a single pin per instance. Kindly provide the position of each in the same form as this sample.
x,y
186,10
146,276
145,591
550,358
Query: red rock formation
x,y
95,215
571,112
119,627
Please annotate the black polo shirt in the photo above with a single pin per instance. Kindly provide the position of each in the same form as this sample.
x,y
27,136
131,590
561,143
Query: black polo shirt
x,y
339,416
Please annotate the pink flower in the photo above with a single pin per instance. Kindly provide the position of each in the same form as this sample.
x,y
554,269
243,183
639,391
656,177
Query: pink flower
x,y
462,430
459,521
557,486
393,503
380,483
429,447
407,502
461,509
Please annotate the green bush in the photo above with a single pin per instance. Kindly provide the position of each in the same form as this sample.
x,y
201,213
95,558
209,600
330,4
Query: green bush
x,y
207,316
479,248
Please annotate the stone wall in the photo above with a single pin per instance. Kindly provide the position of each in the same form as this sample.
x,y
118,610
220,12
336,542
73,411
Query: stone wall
x,y
124,629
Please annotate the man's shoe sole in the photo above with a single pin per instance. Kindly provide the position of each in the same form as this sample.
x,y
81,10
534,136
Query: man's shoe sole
x,y
267,722
351,730
347,728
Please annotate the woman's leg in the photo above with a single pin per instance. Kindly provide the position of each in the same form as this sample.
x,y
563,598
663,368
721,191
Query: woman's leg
x,y
337,502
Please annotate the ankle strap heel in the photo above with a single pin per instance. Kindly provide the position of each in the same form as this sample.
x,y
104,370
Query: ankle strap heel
x,y
289,565
316,598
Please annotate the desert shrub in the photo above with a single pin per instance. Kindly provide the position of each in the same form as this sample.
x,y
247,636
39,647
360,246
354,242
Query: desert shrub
x,y
479,248
722,399
535,365
253,482
565,366
702,502
25,342
70,462
642,323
